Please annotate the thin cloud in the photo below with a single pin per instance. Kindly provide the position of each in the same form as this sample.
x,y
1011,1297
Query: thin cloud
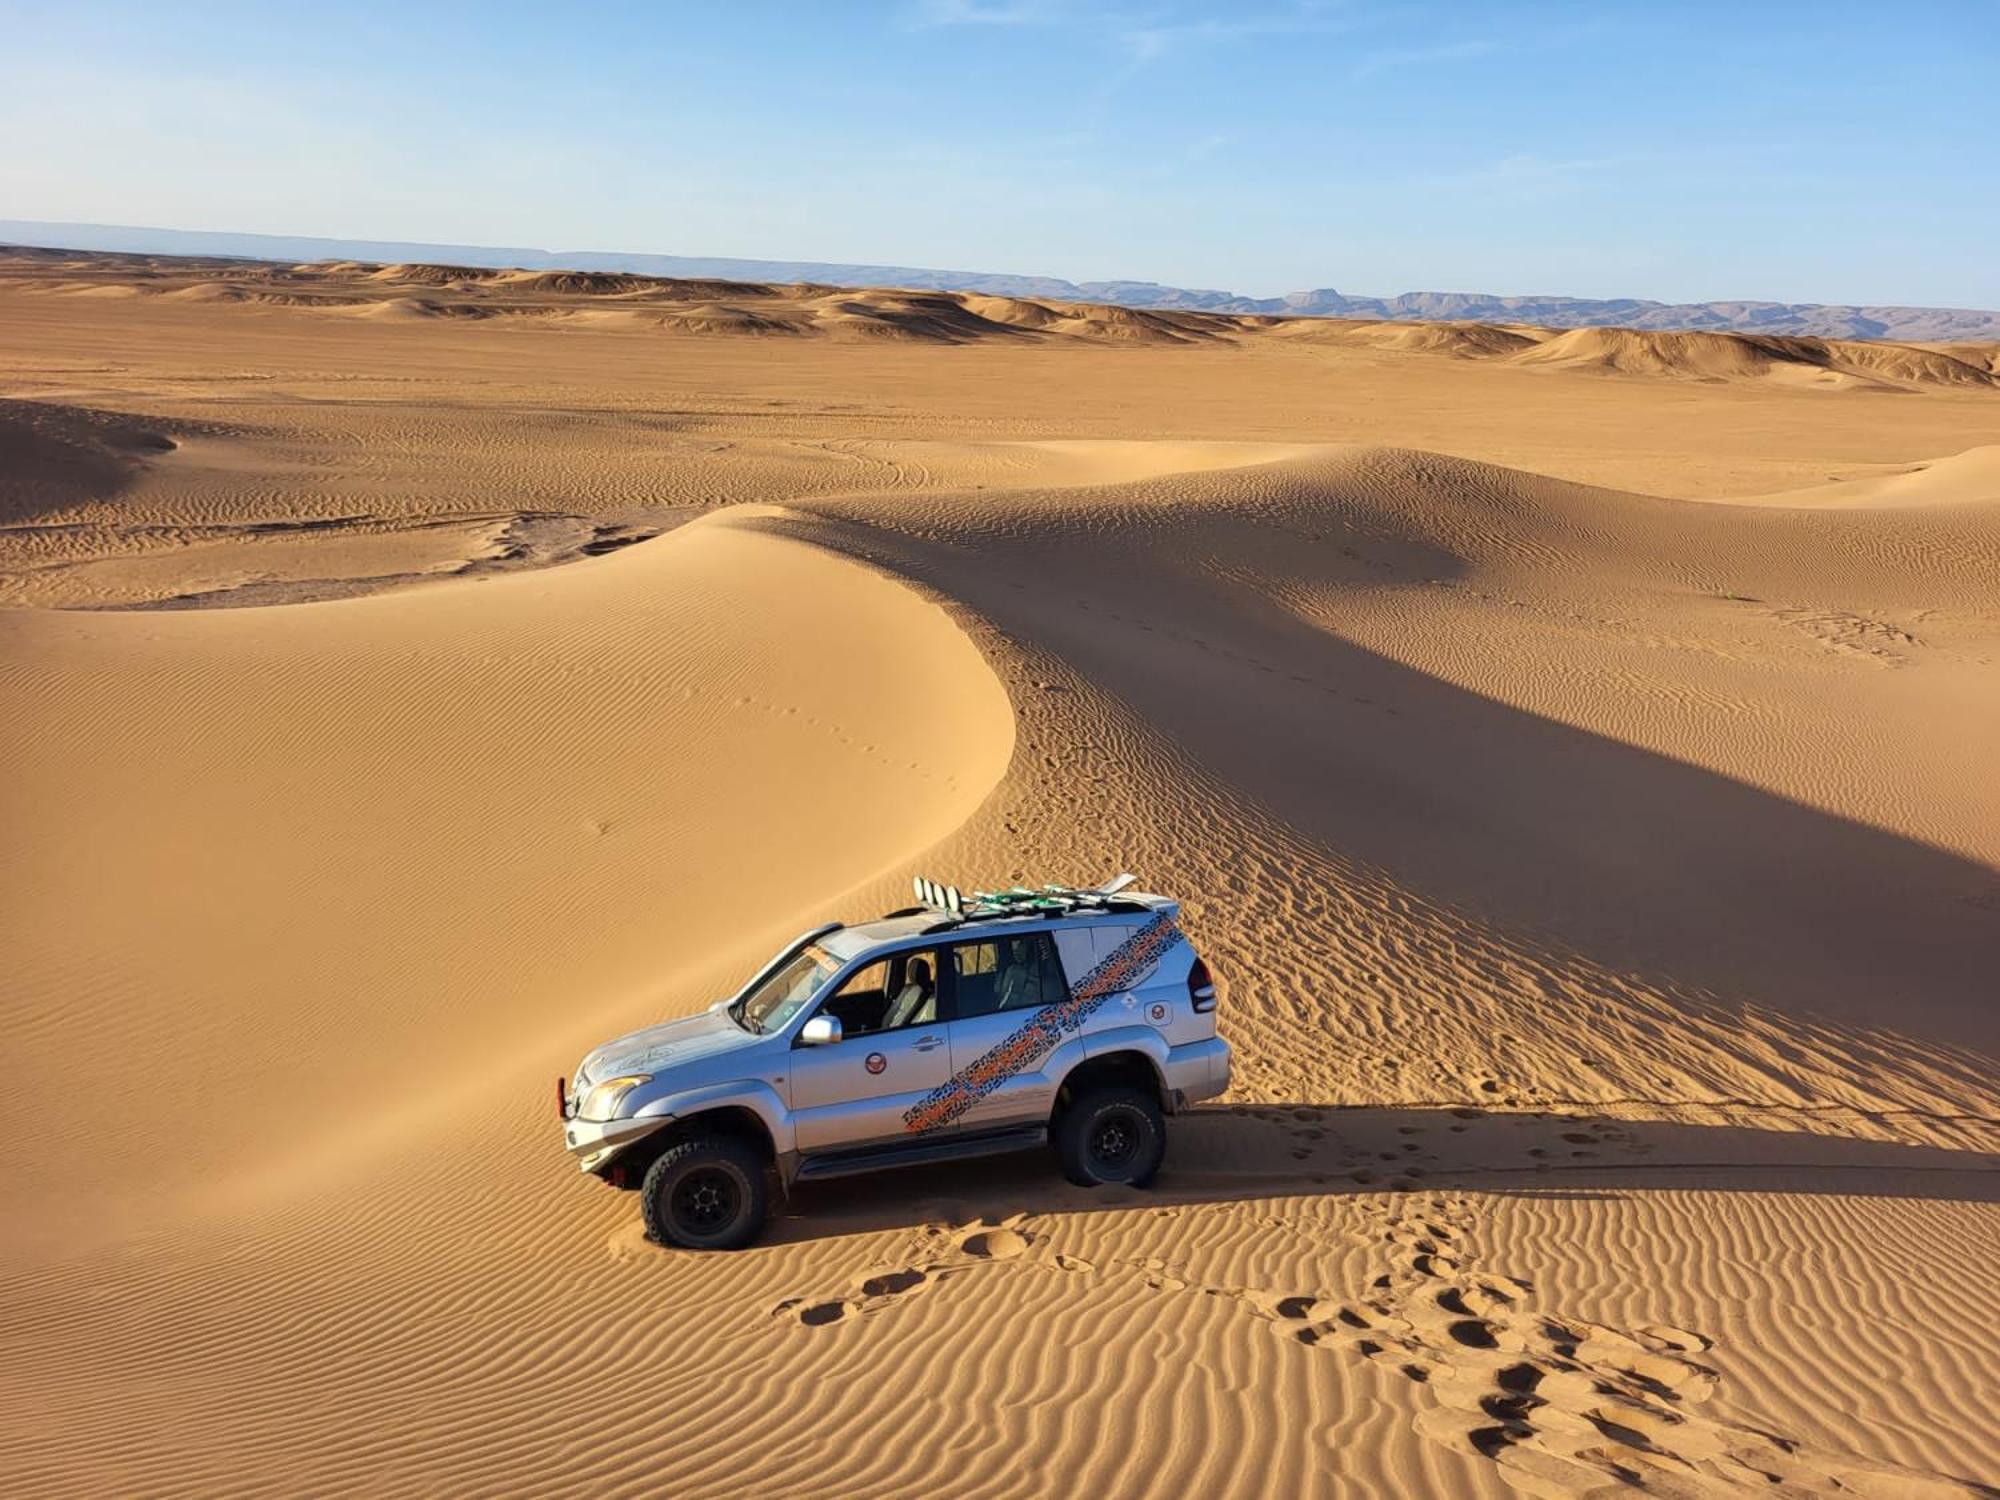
x,y
1389,59
1149,42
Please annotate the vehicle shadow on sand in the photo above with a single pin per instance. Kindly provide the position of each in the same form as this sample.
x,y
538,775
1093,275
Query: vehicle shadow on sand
x,y
1245,1153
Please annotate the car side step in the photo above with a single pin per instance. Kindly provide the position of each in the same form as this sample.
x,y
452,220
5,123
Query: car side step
x,y
916,1153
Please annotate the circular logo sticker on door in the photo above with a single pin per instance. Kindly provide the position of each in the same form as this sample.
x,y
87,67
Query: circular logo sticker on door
x,y
876,1062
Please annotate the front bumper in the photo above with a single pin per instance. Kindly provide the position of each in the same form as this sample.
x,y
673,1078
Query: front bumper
x,y
595,1142
1197,1070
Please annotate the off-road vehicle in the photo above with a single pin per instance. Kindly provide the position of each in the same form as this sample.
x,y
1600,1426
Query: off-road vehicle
x,y
959,1027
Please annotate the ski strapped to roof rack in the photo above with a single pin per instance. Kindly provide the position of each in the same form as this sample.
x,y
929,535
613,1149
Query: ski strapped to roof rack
x,y
1021,900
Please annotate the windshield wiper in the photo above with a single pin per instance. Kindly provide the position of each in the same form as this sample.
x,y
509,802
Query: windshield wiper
x,y
740,1014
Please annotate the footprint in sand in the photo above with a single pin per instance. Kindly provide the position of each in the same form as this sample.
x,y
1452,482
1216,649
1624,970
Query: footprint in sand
x,y
814,1314
1160,1277
956,1251
995,1244
1563,1407
892,1283
1674,1338
875,1291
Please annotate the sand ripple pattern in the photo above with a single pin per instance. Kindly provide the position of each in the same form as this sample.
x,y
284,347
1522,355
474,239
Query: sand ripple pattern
x,y
1602,887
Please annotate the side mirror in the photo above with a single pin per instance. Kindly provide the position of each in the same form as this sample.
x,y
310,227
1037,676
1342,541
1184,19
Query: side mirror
x,y
820,1031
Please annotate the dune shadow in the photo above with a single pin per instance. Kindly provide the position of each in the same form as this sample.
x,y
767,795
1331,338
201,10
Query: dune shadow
x,y
1643,864
55,457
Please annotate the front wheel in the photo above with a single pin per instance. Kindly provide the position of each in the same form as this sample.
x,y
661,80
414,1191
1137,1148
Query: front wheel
x,y
1111,1136
708,1193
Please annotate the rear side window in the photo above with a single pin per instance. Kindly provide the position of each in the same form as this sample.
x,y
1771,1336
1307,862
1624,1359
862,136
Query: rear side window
x,y
1009,973
1084,948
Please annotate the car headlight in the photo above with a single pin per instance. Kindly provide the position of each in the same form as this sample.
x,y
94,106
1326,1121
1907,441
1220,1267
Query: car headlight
x,y
602,1102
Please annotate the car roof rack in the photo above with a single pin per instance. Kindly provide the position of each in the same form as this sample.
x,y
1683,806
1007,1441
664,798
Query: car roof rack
x,y
1022,901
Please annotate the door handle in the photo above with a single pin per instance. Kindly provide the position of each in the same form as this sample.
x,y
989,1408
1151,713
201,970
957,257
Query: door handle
x,y
929,1043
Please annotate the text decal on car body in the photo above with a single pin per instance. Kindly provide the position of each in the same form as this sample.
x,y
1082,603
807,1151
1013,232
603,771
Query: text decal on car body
x,y
1038,1036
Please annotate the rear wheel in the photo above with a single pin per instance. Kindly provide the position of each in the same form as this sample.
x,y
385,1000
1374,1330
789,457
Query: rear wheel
x,y
1111,1135
707,1193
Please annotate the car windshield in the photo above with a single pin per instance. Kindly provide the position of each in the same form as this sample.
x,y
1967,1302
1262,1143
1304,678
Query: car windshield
x,y
779,998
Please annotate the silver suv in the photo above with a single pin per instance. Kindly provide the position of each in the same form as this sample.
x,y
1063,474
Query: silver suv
x,y
959,1027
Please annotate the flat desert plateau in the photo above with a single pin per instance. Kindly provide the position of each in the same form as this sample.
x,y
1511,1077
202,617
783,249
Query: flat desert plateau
x,y
1576,753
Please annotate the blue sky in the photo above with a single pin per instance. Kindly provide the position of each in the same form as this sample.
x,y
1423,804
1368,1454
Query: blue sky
x,y
1770,149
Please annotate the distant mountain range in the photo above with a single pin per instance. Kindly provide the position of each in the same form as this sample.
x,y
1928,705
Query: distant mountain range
x,y
1822,320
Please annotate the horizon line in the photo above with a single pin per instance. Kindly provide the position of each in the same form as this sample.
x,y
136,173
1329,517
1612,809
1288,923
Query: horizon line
x,y
801,263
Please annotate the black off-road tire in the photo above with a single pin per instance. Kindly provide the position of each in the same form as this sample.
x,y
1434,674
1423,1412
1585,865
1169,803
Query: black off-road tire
x,y
1111,1136
709,1192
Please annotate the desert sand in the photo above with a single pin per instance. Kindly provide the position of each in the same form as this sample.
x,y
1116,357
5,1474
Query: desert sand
x,y
1574,751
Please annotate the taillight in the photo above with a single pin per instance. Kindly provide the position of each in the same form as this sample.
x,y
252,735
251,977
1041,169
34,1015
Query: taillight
x,y
1201,988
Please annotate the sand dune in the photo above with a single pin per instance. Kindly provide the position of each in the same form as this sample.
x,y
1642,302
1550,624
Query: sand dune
x,y
420,275
54,455
1716,356
1581,785
1464,340
589,283
1968,478
629,695
872,314
719,317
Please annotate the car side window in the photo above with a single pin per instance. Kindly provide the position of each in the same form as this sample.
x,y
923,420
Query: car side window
x,y
860,1003
1005,974
887,995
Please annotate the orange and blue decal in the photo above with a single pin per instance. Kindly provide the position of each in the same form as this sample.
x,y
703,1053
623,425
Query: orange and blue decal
x,y
1036,1038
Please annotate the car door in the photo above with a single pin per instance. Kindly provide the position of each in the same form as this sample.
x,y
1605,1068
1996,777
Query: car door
x,y
855,1092
995,990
